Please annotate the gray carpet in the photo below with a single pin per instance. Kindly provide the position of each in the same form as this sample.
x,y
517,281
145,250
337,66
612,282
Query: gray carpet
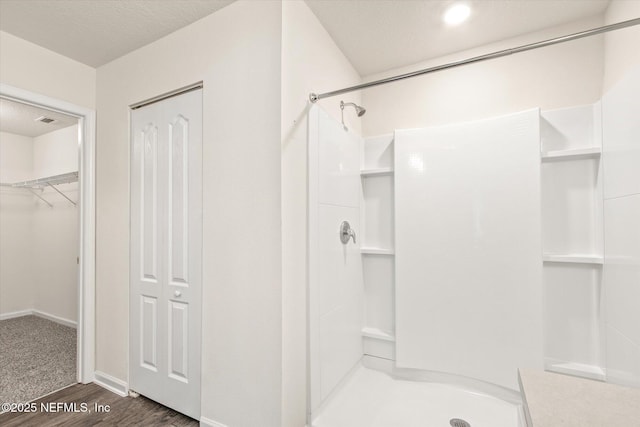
x,y
37,356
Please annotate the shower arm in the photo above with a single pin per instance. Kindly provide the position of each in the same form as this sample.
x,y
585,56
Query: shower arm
x,y
313,97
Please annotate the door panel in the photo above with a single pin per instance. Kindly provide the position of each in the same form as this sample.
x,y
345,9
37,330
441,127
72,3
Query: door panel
x,y
166,251
179,200
149,203
179,340
148,333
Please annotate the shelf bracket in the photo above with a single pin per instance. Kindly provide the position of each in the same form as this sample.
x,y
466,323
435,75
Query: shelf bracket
x,y
39,196
62,194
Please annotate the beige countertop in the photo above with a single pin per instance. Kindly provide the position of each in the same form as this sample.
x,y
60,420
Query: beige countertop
x,y
556,400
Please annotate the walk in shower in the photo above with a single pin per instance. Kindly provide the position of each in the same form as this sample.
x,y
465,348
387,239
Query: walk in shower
x,y
474,248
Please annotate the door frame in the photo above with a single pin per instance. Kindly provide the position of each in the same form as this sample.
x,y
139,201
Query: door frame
x,y
85,366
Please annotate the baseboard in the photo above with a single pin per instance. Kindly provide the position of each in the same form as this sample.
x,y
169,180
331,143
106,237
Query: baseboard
x,y
42,314
14,314
206,422
57,319
112,384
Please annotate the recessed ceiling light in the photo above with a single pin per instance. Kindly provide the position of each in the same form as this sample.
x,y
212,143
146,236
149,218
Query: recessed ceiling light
x,y
457,14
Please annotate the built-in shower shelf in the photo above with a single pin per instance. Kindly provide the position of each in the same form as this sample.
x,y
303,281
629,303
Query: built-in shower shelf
x,y
376,251
573,258
378,334
579,370
572,154
376,172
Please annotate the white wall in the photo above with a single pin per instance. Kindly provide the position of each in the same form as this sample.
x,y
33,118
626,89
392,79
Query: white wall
x,y
236,52
39,243
553,77
36,69
56,152
55,230
16,157
621,44
16,214
311,62
621,157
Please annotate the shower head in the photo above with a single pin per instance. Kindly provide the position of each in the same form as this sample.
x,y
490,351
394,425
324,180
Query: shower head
x,y
359,110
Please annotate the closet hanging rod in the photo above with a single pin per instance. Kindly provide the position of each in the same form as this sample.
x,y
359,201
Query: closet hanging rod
x,y
313,97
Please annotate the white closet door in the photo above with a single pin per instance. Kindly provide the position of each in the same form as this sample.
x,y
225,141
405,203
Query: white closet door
x,y
166,252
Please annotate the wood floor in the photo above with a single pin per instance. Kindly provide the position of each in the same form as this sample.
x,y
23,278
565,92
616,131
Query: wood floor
x,y
124,411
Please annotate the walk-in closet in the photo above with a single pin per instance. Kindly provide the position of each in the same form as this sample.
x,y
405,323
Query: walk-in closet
x,y
39,229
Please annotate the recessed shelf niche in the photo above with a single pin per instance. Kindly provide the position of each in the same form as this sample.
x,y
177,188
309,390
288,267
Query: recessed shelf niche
x,y
572,235
378,262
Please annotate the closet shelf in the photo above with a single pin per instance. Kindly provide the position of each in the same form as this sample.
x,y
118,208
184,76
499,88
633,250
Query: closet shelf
x,y
376,172
64,178
377,334
49,181
573,258
572,154
376,251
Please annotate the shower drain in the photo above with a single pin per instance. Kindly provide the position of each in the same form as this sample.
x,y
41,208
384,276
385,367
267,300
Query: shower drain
x,y
457,422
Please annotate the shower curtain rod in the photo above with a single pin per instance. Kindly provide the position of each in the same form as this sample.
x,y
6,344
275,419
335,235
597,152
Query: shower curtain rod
x,y
604,29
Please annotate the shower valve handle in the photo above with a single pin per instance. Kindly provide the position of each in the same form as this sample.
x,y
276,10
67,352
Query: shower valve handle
x,y
346,233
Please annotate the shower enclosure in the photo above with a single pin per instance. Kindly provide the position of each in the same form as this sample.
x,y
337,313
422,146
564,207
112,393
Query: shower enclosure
x,y
417,294
478,249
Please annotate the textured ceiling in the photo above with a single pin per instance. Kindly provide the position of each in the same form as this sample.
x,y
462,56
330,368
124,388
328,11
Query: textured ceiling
x,y
19,119
378,35
95,32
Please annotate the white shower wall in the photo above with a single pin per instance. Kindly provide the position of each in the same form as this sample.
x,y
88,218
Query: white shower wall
x,y
571,229
621,275
590,319
621,157
336,294
468,240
